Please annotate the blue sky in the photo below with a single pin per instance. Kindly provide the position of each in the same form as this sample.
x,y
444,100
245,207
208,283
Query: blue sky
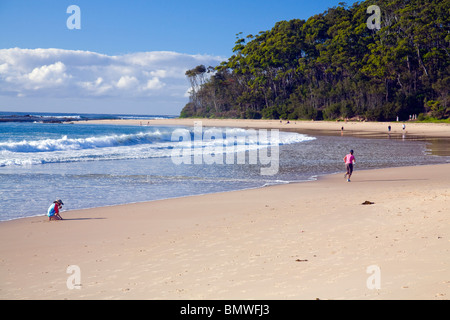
x,y
133,53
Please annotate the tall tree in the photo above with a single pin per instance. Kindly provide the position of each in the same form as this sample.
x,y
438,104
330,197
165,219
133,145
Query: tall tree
x,y
332,66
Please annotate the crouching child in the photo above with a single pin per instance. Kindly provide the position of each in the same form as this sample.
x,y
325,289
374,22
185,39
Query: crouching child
x,y
53,210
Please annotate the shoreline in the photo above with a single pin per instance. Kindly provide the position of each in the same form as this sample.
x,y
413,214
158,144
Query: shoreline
x,y
369,129
313,178
436,134
301,240
212,122
293,241
44,216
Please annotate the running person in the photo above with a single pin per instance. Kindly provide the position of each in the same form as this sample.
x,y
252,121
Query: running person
x,y
349,161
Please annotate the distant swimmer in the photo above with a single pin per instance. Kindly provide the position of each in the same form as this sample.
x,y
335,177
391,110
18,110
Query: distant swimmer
x,y
349,160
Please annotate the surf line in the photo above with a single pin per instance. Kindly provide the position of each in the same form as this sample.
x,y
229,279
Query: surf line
x,y
211,146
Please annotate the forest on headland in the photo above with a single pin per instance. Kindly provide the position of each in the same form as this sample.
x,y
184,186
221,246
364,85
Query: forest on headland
x,y
336,65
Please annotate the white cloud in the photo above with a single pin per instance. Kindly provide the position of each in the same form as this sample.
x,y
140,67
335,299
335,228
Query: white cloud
x,y
127,82
3,68
159,73
154,84
59,73
95,88
46,76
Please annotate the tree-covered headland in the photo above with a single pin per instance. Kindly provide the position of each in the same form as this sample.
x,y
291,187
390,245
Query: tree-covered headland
x,y
333,66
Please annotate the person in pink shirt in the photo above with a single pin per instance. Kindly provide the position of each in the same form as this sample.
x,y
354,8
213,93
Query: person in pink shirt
x,y
349,160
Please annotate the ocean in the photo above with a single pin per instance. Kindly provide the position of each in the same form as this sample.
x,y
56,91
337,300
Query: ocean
x,y
51,117
92,165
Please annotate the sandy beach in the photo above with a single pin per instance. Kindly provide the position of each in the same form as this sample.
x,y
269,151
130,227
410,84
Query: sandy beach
x,y
185,214
419,130
310,240
297,241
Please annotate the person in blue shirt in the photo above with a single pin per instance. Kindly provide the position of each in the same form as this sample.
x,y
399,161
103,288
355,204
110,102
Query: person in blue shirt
x,y
53,210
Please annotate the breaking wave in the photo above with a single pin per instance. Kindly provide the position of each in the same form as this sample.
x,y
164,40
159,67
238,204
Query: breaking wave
x,y
158,143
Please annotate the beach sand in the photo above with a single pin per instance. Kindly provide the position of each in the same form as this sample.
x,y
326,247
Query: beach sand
x,y
298,241
377,129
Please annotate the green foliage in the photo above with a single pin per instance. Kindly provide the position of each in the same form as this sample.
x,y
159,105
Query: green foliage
x,y
425,118
333,67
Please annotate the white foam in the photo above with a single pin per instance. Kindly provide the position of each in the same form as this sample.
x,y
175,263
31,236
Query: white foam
x,y
64,143
141,145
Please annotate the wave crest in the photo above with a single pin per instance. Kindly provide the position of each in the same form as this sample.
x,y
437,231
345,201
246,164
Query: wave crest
x,y
66,144
142,145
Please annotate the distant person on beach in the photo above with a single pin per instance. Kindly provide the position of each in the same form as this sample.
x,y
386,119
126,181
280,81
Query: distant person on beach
x,y
389,128
349,160
403,126
53,210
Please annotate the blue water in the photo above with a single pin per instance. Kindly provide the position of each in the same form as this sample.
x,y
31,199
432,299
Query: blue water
x,y
89,165
44,116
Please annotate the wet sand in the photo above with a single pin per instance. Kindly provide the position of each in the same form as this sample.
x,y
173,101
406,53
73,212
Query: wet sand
x,y
297,241
437,134
380,129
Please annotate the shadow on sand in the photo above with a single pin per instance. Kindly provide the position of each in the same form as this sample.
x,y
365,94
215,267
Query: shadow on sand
x,y
389,180
69,219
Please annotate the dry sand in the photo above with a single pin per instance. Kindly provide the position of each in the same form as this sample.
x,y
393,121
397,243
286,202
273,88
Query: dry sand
x,y
298,241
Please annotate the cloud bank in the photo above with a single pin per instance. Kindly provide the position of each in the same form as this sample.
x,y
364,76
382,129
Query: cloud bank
x,y
58,73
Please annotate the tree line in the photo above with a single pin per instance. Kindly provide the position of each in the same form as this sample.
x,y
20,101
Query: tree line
x,y
332,66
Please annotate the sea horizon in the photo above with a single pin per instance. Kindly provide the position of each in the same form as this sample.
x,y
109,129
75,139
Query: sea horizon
x,y
14,116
